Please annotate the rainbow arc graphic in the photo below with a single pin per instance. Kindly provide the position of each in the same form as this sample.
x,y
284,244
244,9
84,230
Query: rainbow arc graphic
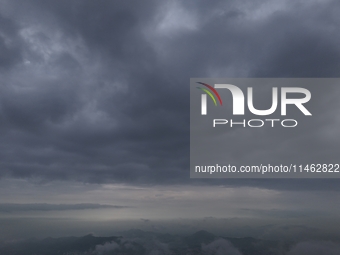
x,y
213,94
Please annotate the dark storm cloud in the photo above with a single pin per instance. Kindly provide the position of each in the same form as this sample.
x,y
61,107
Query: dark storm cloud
x,y
9,208
10,51
97,91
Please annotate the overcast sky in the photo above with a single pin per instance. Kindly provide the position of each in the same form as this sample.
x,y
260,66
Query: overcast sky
x,y
94,114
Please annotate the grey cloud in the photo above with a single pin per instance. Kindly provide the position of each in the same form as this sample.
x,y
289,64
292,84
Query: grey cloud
x,y
293,232
296,48
136,245
277,213
7,208
107,247
219,247
10,44
98,92
315,248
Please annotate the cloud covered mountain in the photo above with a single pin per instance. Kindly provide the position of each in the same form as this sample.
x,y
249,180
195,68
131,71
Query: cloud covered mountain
x,y
138,242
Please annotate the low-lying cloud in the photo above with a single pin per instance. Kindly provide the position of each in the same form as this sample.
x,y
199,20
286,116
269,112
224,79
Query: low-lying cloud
x,y
53,207
315,248
220,247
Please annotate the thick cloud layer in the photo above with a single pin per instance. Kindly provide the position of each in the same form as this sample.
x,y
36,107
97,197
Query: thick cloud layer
x,y
94,107
98,91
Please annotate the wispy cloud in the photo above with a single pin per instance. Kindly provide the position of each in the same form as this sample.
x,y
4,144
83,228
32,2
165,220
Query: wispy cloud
x,y
54,207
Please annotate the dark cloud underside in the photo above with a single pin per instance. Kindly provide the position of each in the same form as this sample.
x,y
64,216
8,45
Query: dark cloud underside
x,y
97,91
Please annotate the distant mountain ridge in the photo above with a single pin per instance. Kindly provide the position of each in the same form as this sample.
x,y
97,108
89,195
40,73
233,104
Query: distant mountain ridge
x,y
139,242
